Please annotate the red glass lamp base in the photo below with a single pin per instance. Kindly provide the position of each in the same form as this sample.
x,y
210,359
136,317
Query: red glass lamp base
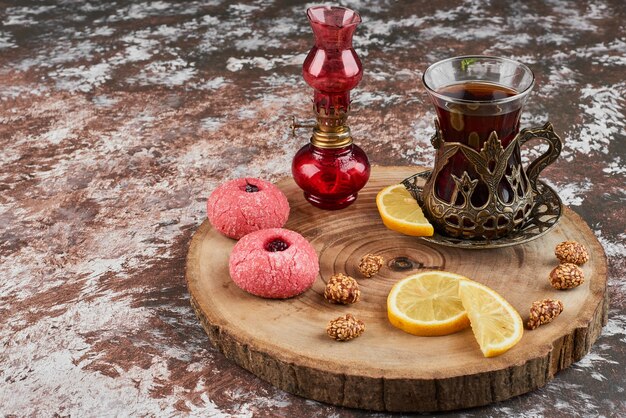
x,y
330,178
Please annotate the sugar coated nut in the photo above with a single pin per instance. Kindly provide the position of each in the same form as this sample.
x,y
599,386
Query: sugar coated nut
x,y
571,252
345,328
543,312
342,289
370,264
566,276
273,263
245,205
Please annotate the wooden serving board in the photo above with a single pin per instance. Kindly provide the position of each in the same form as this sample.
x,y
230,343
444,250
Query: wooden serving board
x,y
284,341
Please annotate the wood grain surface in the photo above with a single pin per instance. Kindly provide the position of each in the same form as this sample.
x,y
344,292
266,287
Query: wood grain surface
x,y
284,341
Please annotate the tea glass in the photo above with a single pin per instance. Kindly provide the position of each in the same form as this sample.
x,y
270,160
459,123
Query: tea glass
x,y
478,188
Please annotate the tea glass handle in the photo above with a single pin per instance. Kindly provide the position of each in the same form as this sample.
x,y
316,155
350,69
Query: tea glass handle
x,y
554,150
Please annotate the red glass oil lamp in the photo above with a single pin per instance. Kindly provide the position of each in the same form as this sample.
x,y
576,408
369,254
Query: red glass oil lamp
x,y
331,169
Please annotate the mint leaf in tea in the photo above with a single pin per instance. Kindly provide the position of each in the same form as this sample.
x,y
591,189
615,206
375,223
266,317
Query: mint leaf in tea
x,y
466,63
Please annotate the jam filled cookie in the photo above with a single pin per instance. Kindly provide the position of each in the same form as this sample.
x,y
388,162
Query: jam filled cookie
x,y
274,263
244,205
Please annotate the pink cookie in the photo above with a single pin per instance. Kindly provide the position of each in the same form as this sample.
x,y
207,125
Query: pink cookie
x,y
274,263
244,205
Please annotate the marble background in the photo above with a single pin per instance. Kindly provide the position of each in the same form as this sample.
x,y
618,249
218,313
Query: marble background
x,y
118,118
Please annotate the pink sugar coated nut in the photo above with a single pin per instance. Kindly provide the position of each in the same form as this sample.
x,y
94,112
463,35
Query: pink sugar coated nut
x,y
278,274
235,212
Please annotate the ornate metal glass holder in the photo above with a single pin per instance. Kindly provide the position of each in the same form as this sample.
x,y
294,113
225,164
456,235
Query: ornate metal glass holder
x,y
498,214
544,215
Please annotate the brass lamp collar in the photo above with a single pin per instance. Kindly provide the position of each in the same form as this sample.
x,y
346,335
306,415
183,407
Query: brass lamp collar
x,y
337,138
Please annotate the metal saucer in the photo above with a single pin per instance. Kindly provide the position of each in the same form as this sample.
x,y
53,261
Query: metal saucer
x,y
544,215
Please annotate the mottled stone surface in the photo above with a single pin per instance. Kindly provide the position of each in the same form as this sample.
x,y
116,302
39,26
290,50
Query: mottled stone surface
x,y
118,118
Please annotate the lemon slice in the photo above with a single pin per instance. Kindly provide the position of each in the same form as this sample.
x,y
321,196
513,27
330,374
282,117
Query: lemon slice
x,y
401,213
496,324
427,304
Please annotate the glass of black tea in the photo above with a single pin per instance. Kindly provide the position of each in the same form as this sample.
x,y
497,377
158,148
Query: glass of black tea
x,y
477,98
